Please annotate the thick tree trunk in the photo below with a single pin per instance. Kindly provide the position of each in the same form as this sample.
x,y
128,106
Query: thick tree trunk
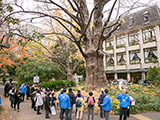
x,y
69,75
69,71
95,72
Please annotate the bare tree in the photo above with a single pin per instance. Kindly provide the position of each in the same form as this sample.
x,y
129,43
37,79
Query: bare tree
x,y
92,28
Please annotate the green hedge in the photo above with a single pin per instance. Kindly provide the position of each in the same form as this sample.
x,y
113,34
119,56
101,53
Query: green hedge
x,y
59,84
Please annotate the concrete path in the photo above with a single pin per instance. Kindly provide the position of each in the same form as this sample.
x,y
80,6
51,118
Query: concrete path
x,y
26,113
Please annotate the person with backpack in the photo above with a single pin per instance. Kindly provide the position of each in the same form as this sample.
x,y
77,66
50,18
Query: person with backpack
x,y
90,101
100,101
106,105
124,104
72,100
79,107
78,92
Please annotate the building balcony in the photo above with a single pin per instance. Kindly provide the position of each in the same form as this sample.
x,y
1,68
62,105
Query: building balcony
x,y
119,50
147,65
134,47
109,68
134,66
150,44
120,67
110,52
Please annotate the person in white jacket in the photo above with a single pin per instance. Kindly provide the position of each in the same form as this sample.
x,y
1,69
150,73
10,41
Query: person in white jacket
x,y
39,101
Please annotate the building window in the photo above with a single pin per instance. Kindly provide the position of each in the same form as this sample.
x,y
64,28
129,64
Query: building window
x,y
109,44
146,16
110,60
150,55
131,21
121,41
135,57
121,59
133,38
149,35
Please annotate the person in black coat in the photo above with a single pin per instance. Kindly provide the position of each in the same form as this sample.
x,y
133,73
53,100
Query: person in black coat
x,y
28,91
7,87
10,80
47,104
33,93
53,99
17,100
72,100
4,79
11,94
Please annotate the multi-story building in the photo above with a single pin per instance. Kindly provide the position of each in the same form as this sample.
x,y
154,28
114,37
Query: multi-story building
x,y
134,47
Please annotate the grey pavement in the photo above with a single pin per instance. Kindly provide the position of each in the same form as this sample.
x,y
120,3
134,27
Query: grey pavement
x,y
26,113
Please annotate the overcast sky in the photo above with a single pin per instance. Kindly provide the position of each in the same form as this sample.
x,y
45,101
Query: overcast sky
x,y
29,4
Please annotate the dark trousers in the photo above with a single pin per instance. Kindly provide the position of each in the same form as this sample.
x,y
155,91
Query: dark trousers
x,y
6,94
38,109
27,96
47,113
22,95
128,112
91,111
16,103
106,115
101,112
123,111
70,113
12,101
33,104
62,113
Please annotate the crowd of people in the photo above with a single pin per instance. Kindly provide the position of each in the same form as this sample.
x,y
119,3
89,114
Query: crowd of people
x,y
45,98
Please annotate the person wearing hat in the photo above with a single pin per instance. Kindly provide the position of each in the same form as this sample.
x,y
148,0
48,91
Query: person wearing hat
x,y
100,101
106,105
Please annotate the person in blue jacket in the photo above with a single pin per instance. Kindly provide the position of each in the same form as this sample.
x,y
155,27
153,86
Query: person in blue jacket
x,y
124,104
65,104
23,91
106,105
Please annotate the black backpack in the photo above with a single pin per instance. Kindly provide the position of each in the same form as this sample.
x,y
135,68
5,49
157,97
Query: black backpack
x,y
72,97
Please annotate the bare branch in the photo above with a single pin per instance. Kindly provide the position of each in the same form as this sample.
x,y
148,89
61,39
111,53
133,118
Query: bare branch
x,y
110,32
61,34
110,13
95,7
66,11
72,6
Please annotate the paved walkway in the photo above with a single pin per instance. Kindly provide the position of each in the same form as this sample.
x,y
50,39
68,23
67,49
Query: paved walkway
x,y
26,113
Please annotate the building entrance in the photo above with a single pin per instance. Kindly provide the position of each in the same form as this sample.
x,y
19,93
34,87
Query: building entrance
x,y
135,77
122,75
110,77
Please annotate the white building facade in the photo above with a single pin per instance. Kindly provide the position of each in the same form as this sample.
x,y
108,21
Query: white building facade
x,y
134,47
